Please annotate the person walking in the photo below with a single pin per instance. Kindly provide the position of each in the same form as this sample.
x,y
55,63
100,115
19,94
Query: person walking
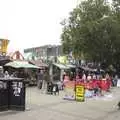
x,y
40,79
46,79
1,72
6,74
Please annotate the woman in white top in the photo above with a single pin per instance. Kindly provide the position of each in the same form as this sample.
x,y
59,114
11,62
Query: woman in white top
x,y
89,77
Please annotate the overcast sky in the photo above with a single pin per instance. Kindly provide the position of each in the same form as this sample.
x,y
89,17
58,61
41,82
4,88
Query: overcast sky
x,y
29,23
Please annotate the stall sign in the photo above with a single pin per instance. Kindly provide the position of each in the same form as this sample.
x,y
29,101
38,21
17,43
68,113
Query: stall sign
x,y
80,93
17,86
69,90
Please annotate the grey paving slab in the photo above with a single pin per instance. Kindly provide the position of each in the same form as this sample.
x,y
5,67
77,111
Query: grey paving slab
x,y
46,107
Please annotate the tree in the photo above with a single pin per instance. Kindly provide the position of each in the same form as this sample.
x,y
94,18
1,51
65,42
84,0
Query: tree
x,y
116,15
93,29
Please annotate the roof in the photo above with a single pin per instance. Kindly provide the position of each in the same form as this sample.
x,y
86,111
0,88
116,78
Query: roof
x,y
17,55
21,64
87,69
61,66
4,60
38,63
91,70
11,79
71,66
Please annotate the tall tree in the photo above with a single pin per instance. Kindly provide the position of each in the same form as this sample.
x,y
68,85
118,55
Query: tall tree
x,y
93,29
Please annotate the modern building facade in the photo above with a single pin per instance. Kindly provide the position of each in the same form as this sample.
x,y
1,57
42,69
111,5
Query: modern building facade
x,y
45,52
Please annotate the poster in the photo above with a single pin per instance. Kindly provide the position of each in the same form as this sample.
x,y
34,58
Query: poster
x,y
80,93
3,45
70,90
17,86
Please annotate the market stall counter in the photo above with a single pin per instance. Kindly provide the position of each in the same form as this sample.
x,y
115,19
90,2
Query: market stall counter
x,y
12,94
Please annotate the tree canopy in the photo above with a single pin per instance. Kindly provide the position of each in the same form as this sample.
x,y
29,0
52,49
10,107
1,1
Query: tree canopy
x,y
93,30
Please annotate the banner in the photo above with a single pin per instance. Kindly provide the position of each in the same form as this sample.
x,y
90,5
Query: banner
x,y
3,45
62,59
80,93
69,90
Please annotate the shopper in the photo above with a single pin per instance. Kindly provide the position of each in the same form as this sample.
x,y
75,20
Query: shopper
x,y
1,72
40,79
6,74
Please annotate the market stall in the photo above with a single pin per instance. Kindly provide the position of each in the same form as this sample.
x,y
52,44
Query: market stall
x,y
39,63
93,87
22,69
57,71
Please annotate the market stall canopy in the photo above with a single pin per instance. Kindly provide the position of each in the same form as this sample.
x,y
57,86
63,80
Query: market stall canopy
x,y
38,63
21,64
71,66
4,60
91,69
61,66
87,69
17,55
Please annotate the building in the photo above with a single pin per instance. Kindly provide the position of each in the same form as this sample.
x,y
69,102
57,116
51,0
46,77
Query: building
x,y
3,51
3,46
44,52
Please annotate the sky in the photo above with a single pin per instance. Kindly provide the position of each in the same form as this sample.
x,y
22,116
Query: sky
x,y
32,23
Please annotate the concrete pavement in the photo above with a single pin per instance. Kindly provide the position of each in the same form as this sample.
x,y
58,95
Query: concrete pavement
x,y
47,107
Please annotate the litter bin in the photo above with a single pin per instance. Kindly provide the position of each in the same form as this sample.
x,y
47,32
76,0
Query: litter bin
x,y
3,95
16,94
12,94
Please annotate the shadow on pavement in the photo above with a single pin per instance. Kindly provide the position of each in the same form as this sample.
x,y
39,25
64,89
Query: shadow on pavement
x,y
5,113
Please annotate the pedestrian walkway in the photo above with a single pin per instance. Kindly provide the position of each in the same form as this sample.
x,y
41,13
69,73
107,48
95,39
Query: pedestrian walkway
x,y
50,107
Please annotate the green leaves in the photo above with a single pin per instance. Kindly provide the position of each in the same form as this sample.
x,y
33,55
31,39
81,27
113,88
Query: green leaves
x,y
93,31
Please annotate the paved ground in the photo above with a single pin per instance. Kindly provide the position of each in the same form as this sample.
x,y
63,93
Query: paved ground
x,y
46,107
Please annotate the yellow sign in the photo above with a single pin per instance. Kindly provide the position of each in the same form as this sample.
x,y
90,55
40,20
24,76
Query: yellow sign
x,y
62,59
80,91
4,45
